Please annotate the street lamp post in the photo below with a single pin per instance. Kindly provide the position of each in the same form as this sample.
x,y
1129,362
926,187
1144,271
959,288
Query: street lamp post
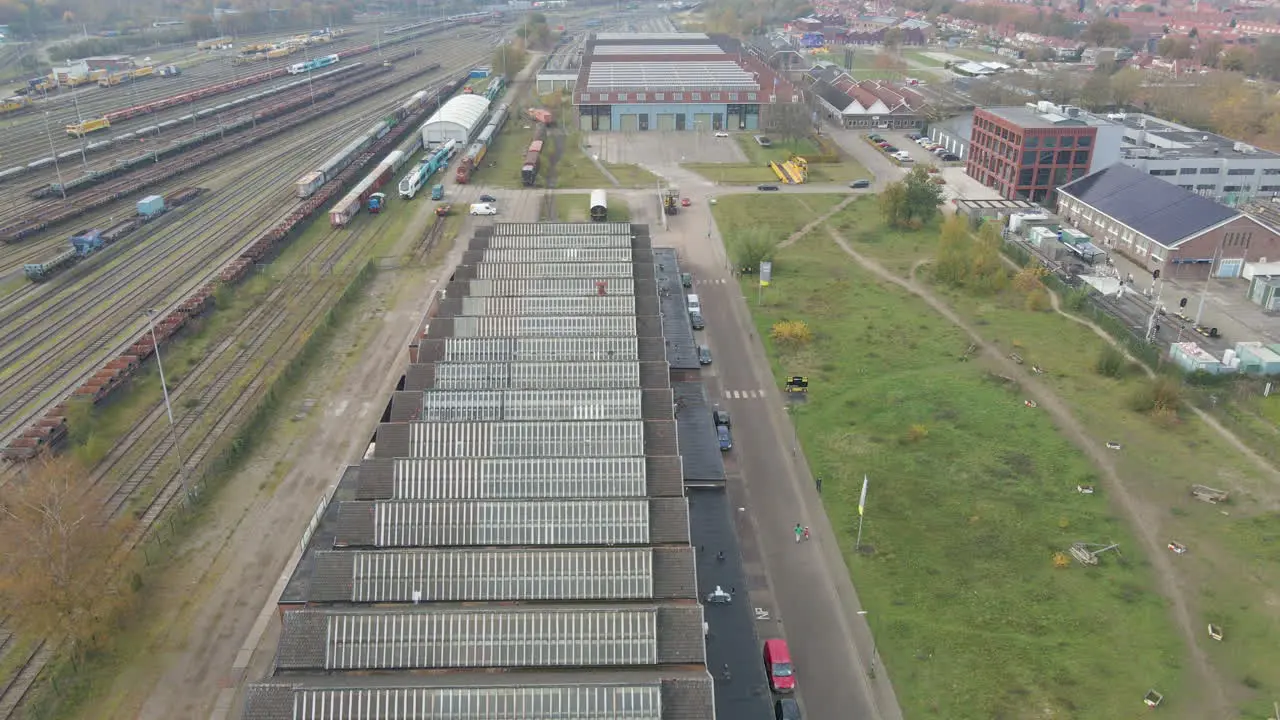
x,y
168,409
53,152
871,666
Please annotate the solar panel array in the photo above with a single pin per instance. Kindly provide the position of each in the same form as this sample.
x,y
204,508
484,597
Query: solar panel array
x,y
519,270
688,75
594,304
532,375
536,230
472,523
545,326
561,241
548,286
531,405
514,439
568,702
557,255
541,349
497,479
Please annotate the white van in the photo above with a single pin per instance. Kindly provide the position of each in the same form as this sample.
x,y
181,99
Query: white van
x,y
484,209
903,156
692,301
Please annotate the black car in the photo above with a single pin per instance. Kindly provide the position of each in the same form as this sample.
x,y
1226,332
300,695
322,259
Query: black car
x,y
950,157
766,187
704,355
787,709
686,279
860,184
698,322
721,417
488,198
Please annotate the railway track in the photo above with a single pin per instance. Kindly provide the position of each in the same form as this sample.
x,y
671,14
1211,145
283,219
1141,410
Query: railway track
x,y
201,246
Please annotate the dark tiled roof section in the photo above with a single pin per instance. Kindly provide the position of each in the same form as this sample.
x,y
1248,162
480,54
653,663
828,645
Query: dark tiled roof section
x,y
660,438
406,406
463,273
668,521
642,256
449,307
651,349
331,580
684,700
648,326
298,588
837,99
377,479
392,440
355,525
421,375
302,640
655,375
1160,210
662,475
440,328
655,404
275,702
680,637
674,576
700,452
642,270
647,304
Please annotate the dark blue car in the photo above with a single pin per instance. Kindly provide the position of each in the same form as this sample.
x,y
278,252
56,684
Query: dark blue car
x,y
726,440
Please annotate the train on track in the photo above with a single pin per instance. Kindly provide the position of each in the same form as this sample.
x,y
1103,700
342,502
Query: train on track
x,y
313,64
533,155
308,184
88,242
435,161
476,151
599,208
50,429
351,203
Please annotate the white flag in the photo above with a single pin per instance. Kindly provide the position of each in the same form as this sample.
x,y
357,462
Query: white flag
x,y
862,501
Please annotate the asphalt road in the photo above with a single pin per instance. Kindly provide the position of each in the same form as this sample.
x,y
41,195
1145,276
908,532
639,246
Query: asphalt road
x,y
802,592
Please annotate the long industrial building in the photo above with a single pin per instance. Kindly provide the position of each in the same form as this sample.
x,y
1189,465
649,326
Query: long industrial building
x,y
516,543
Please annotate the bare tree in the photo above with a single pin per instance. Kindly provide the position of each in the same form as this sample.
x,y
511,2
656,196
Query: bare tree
x,y
58,572
789,121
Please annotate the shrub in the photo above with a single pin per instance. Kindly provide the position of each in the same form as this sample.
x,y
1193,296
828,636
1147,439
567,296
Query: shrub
x,y
917,432
1161,397
791,333
1111,362
1038,300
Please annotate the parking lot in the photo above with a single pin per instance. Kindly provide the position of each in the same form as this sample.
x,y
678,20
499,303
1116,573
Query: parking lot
x,y
651,149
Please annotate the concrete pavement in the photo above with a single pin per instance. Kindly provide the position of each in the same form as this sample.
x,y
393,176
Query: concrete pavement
x,y
800,591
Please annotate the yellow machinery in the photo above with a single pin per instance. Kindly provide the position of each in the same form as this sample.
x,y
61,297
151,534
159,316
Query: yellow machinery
x,y
794,171
142,72
84,128
13,104
112,80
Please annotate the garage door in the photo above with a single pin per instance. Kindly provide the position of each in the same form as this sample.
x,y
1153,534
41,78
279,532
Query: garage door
x,y
667,122
735,122
630,123
702,122
584,122
606,123
1229,268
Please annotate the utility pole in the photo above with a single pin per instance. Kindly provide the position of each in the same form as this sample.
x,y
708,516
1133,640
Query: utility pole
x,y
164,388
57,171
1217,254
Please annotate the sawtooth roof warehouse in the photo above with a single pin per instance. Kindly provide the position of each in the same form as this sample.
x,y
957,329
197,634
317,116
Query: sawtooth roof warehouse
x,y
637,82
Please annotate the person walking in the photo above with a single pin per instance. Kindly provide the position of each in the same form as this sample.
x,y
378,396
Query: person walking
x,y
806,533
799,531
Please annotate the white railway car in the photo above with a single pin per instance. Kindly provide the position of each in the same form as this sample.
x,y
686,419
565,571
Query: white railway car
x,y
599,206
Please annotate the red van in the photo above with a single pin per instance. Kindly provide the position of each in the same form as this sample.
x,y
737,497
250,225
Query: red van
x,y
777,665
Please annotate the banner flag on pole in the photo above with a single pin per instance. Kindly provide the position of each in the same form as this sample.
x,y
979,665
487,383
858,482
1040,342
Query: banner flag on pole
x,y
862,501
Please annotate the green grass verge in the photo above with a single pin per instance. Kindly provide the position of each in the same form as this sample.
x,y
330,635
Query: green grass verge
x,y
922,58
756,169
971,495
1235,560
778,215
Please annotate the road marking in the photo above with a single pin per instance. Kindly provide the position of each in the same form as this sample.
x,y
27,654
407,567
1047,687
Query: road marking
x,y
762,614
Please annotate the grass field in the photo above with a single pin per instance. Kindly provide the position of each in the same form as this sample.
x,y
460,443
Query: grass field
x,y
1233,561
501,166
575,207
922,58
971,495
780,216
756,169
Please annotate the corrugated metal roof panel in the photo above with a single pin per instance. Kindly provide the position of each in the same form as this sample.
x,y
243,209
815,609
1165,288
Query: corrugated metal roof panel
x,y
519,270
576,305
492,479
558,255
545,326
537,375
506,439
544,349
560,241
415,523
548,286
536,229
531,405
502,575
570,702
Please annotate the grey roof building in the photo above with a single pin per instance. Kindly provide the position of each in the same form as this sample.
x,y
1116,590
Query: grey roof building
x,y
517,541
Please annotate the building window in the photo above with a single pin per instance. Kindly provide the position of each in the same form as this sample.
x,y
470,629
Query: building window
x,y
1050,141
1240,171
1046,157
1082,157
1230,188
697,97
1033,141
1206,187
1271,171
1270,188
715,97
604,97
1064,157
622,97
1209,171
659,96
640,97
733,97
1163,173
751,97
1042,176
678,97
1084,141
585,97
1186,171
1068,140
1028,158
1060,176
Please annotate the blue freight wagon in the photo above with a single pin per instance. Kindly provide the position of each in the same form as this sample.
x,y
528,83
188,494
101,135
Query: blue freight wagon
x,y
86,241
437,192
150,206
480,72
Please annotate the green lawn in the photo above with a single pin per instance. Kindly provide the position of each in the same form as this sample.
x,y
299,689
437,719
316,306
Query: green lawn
x,y
1234,557
756,169
922,58
971,495
778,215
632,176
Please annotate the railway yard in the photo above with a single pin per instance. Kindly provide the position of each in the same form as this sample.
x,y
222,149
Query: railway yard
x,y
74,320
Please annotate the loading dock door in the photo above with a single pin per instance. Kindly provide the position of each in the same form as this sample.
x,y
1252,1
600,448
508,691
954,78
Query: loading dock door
x,y
630,123
606,123
667,122
702,122
584,122
1229,268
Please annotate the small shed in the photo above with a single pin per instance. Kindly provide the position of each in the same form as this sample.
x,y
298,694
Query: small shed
x,y
1257,359
1192,358
1264,291
460,119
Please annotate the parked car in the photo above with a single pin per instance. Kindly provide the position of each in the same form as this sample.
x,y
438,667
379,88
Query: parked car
x,y
686,280
874,137
704,355
685,202
860,184
695,318
726,440
950,157
722,134
777,665
787,709
766,188
721,417
488,199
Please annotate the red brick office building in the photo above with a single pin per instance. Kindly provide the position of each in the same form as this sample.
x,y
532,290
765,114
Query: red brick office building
x,y
1024,154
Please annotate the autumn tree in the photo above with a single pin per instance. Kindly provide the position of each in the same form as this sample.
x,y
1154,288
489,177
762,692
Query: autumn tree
x,y
1096,93
787,120
1126,86
510,59
951,261
58,575
791,333
893,38
912,201
752,248
1105,33
1175,48
969,261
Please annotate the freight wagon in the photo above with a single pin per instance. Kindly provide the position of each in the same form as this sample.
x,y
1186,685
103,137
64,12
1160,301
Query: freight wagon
x,y
349,205
599,208
529,170
81,129
470,160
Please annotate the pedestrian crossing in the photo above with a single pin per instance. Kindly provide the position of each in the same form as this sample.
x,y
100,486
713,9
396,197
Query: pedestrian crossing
x,y
744,394
710,281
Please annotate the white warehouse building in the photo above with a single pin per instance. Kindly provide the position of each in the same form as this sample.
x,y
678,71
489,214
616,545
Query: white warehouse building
x,y
460,119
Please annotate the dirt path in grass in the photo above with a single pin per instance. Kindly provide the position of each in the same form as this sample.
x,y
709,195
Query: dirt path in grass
x,y
809,226
1214,703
